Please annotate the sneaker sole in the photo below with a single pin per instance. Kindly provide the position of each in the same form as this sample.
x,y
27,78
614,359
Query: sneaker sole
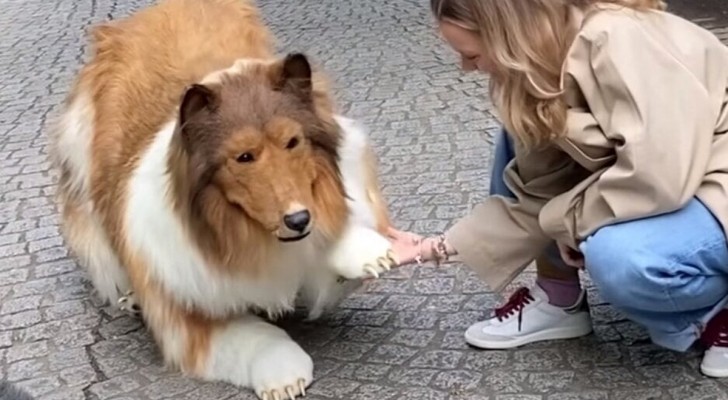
x,y
549,334
714,373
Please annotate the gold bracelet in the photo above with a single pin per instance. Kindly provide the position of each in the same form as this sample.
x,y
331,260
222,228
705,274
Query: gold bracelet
x,y
443,247
439,250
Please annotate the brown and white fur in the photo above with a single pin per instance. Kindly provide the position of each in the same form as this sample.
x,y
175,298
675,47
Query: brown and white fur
x,y
189,155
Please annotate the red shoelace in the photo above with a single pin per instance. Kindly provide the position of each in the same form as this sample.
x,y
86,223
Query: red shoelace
x,y
515,304
716,331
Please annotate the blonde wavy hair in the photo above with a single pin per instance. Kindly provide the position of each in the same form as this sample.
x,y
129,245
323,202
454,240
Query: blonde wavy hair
x,y
527,41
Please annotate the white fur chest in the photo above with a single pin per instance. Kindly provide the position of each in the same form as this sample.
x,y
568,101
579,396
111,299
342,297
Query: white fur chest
x,y
156,234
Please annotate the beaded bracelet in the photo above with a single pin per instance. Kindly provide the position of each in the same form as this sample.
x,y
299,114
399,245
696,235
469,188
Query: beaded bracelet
x,y
438,250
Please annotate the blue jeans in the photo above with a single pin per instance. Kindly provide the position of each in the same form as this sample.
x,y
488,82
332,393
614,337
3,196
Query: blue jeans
x,y
668,273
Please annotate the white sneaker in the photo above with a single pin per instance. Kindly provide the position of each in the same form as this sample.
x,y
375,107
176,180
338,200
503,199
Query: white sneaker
x,y
528,317
715,360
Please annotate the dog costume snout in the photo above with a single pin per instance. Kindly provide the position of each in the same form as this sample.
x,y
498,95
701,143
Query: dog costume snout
x,y
297,221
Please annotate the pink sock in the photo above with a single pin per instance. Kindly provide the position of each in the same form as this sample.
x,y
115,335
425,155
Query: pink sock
x,y
561,293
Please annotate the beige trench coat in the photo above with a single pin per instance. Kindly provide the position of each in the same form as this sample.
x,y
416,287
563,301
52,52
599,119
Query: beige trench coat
x,y
648,97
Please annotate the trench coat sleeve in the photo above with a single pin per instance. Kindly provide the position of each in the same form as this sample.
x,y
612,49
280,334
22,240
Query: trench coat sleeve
x,y
658,117
501,236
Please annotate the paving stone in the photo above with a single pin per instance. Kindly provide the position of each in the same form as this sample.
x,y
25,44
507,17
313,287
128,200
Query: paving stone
x,y
413,338
19,304
366,334
26,351
347,351
640,394
703,390
363,301
80,376
211,391
374,392
114,387
404,302
361,372
438,359
169,388
422,394
434,286
336,388
460,320
391,354
20,320
454,340
457,380
450,303
26,369
40,386
65,358
6,339
65,394
413,376
369,318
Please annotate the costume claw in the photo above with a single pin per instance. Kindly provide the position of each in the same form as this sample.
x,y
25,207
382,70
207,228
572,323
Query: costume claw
x,y
390,256
265,396
384,263
128,303
125,297
289,392
276,395
302,386
373,272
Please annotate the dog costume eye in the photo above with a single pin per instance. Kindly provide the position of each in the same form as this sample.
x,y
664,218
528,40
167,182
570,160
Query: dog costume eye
x,y
292,143
245,158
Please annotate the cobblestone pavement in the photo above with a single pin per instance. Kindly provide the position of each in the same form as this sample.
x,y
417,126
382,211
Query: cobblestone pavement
x,y
400,337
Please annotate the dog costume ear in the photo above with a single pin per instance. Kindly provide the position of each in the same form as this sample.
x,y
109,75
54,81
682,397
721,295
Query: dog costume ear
x,y
196,98
196,134
294,76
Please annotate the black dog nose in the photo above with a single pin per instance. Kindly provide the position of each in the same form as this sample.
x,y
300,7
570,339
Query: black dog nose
x,y
298,221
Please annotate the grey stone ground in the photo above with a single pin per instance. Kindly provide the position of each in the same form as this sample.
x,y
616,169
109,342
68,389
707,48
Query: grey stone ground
x,y
401,337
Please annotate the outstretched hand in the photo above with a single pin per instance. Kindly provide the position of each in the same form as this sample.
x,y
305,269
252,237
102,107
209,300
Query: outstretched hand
x,y
406,245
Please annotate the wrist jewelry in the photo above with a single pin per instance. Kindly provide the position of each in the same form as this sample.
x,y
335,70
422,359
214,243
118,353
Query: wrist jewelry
x,y
441,250
438,250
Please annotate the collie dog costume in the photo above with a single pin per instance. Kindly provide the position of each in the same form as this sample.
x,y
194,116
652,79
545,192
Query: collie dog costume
x,y
204,181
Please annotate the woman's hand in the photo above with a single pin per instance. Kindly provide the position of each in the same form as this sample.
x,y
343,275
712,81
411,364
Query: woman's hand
x,y
410,247
573,258
406,245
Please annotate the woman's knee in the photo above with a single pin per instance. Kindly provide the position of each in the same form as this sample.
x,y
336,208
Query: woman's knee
x,y
679,258
623,270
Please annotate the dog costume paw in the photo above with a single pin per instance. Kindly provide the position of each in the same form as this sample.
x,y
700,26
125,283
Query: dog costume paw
x,y
283,371
362,253
128,303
